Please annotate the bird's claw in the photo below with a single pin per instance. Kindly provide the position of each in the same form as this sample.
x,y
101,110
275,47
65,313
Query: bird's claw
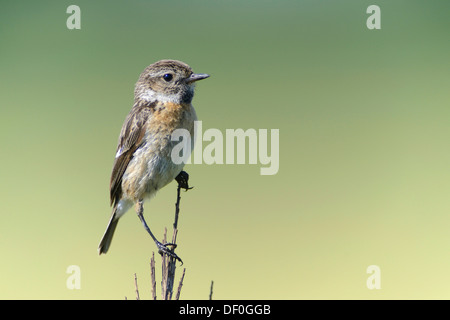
x,y
163,249
183,180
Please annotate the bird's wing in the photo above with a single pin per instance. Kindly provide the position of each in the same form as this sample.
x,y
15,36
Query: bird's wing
x,y
130,139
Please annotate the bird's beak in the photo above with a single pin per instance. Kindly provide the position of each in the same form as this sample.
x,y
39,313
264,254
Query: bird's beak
x,y
197,76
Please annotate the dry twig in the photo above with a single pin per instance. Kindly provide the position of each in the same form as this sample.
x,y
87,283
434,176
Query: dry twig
x,y
177,297
152,272
211,290
136,286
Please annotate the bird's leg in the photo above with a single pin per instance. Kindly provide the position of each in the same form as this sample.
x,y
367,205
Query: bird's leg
x,y
183,178
162,248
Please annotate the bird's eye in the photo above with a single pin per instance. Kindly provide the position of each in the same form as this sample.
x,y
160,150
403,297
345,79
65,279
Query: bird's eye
x,y
167,77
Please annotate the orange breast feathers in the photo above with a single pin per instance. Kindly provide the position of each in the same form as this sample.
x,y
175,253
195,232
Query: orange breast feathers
x,y
171,116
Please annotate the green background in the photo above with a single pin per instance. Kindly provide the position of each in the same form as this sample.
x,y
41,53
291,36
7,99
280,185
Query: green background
x,y
364,173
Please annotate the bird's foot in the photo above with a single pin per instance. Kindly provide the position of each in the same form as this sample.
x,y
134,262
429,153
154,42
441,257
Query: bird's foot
x,y
183,180
163,249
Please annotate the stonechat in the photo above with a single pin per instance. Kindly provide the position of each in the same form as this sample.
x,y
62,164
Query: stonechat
x,y
143,164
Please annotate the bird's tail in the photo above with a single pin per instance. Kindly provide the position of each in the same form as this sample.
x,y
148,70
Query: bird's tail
x,y
107,237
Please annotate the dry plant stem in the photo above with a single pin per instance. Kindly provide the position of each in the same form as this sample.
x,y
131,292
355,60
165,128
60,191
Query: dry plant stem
x,y
165,292
136,286
177,210
152,271
171,266
177,297
211,290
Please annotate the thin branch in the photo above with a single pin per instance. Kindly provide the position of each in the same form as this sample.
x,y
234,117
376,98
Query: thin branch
x,y
177,297
177,208
153,274
211,290
136,286
164,269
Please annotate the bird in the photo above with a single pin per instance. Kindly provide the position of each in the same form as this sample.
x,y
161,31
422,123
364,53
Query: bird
x,y
143,165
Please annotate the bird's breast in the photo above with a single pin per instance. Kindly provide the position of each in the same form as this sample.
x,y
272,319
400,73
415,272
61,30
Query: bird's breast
x,y
152,167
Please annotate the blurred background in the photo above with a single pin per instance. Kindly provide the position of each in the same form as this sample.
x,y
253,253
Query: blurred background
x,y
364,173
